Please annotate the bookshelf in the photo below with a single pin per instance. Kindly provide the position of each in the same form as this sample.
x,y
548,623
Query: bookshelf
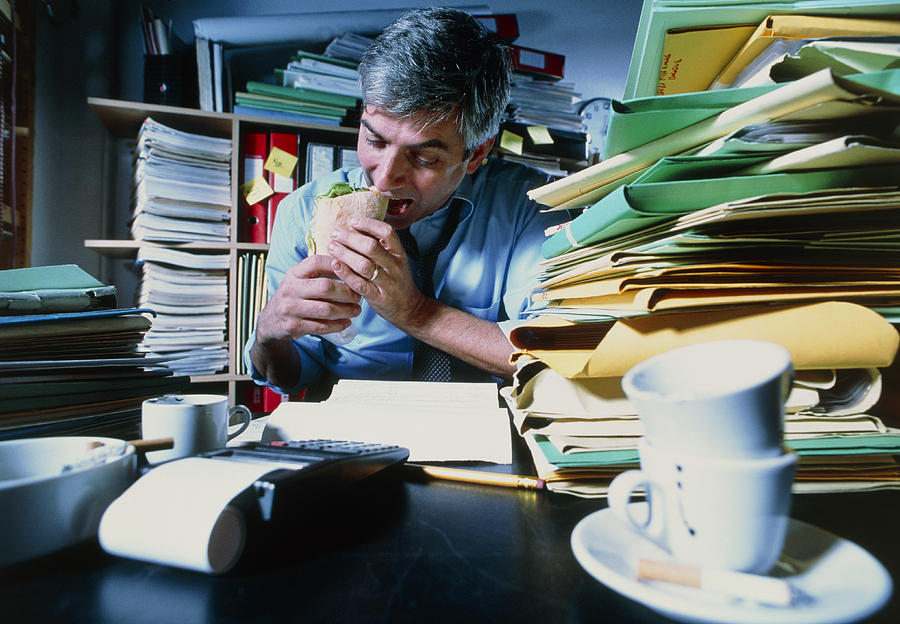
x,y
122,120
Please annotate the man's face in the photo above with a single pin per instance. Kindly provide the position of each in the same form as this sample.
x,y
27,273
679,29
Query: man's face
x,y
418,168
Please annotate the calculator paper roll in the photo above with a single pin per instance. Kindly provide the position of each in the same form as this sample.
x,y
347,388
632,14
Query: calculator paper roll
x,y
178,514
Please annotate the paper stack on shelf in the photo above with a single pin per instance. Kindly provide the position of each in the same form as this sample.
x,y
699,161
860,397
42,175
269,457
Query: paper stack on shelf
x,y
183,194
74,372
541,126
189,293
765,212
182,185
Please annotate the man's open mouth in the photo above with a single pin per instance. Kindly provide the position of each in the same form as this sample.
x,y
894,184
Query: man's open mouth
x,y
398,206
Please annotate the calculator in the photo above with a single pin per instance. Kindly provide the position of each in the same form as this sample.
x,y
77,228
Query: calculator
x,y
306,470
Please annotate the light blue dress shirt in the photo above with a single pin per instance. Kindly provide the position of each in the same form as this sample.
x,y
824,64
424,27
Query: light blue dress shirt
x,y
488,268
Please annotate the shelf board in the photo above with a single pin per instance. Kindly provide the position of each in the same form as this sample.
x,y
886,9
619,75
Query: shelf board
x,y
128,248
218,377
123,119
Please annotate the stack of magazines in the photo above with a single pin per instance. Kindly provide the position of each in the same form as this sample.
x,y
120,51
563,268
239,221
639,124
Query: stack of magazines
x,y
182,186
182,193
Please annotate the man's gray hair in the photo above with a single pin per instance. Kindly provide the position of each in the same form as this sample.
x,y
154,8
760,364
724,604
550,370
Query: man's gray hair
x,y
436,64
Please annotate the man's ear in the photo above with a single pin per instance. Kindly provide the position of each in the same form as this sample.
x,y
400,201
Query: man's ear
x,y
478,155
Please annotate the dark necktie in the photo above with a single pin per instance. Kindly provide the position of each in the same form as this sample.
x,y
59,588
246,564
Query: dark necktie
x,y
429,363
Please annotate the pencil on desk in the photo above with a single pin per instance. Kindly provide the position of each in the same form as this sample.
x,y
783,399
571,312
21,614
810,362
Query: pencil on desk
x,y
479,477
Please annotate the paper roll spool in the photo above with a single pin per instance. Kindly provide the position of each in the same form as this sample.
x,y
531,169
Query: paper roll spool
x,y
179,514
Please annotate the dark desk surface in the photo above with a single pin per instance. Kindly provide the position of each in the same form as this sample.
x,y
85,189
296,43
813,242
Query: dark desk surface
x,y
403,552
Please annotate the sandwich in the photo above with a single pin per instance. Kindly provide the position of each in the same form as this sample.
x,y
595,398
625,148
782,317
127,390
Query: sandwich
x,y
335,208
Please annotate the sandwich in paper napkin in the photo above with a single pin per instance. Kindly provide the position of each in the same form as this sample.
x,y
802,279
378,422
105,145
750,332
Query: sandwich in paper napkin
x,y
337,207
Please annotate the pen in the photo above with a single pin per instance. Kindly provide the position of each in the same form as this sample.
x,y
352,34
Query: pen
x,y
764,589
480,477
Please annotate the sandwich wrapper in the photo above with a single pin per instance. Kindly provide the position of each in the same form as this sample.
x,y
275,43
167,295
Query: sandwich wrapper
x,y
179,514
333,210
337,207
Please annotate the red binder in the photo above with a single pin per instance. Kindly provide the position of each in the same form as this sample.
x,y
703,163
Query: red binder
x,y
504,25
290,143
545,65
253,218
254,398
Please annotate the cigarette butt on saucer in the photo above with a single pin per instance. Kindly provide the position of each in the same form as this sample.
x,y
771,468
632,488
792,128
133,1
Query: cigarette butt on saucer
x,y
764,589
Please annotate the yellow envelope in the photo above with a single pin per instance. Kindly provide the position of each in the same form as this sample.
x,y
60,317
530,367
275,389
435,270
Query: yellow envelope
x,y
830,334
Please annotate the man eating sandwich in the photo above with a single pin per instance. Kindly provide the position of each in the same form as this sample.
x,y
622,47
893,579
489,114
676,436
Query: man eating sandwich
x,y
428,288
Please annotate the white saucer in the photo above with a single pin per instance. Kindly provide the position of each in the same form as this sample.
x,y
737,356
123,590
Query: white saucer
x,y
845,582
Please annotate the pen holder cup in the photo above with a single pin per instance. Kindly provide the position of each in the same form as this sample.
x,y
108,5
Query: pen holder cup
x,y
165,79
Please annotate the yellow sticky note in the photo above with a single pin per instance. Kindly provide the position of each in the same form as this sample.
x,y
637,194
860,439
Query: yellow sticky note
x,y
511,141
280,162
256,190
540,135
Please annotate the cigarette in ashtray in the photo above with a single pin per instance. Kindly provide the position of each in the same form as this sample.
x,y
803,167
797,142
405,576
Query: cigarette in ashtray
x,y
335,208
752,587
95,452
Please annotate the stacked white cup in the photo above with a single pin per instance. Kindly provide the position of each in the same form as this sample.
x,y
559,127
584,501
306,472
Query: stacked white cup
x,y
713,467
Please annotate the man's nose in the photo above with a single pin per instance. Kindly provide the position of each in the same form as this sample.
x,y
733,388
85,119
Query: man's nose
x,y
391,170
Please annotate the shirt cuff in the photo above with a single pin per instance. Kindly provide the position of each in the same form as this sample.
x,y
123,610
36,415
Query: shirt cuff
x,y
260,380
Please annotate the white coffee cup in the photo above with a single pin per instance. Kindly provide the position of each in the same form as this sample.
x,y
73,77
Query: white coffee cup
x,y
196,422
725,514
722,398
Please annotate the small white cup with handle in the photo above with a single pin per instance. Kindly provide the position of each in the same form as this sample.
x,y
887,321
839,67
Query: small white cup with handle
x,y
728,514
196,422
722,398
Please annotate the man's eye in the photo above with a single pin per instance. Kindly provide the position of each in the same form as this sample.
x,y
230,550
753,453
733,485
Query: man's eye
x,y
375,142
424,161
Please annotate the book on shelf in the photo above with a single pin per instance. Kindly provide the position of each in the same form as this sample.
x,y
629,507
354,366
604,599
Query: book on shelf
x,y
308,109
252,296
298,94
284,115
300,78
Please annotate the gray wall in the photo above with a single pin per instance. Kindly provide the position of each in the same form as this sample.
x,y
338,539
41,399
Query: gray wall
x,y
98,53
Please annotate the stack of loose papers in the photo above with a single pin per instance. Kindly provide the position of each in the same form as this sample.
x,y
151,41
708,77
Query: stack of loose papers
x,y
769,213
435,421
583,432
189,293
182,185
